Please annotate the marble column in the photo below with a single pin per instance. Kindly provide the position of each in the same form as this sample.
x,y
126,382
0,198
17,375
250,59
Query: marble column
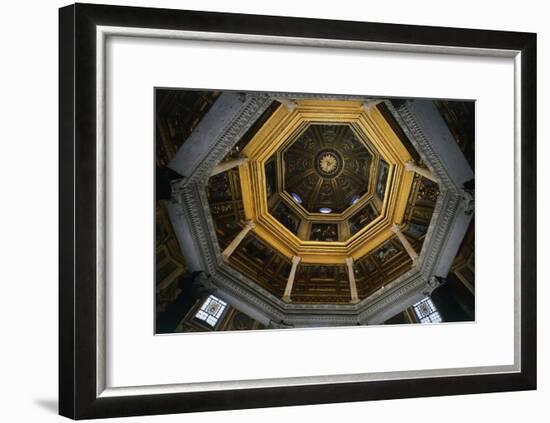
x,y
290,281
411,167
406,244
352,285
303,229
230,249
230,164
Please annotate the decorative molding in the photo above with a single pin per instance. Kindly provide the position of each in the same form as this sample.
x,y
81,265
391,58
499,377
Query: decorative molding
x,y
369,104
253,106
279,325
468,202
289,103
442,218
431,284
319,96
414,284
407,121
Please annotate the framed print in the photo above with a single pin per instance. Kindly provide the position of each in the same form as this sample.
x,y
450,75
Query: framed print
x,y
260,211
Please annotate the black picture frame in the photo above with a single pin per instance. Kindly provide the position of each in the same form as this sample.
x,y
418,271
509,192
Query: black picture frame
x,y
78,398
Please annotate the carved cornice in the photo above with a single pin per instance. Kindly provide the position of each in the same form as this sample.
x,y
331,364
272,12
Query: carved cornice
x,y
391,295
442,219
296,96
253,106
407,121
432,284
322,320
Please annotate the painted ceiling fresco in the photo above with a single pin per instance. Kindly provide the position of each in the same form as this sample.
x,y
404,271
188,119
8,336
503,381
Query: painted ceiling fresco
x,y
327,167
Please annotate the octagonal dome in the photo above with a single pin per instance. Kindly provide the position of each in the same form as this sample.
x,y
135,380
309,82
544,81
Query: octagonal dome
x,y
277,192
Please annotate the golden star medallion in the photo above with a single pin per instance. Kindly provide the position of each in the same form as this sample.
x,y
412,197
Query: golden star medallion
x,y
328,163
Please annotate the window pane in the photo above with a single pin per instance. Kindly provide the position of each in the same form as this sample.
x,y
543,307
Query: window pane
x,y
211,310
426,312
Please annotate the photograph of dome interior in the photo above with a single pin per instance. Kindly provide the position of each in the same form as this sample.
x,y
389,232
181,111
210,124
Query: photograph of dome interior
x,y
288,210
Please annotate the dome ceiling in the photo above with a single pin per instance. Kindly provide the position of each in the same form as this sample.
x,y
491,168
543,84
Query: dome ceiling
x,y
327,168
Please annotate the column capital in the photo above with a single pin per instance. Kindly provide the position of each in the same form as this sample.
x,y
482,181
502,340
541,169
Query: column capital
x,y
406,244
349,261
370,104
177,186
229,164
249,224
202,285
468,202
296,260
410,166
279,325
431,285
242,159
288,103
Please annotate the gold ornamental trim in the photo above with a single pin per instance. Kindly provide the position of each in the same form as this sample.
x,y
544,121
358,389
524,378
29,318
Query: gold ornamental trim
x,y
278,133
